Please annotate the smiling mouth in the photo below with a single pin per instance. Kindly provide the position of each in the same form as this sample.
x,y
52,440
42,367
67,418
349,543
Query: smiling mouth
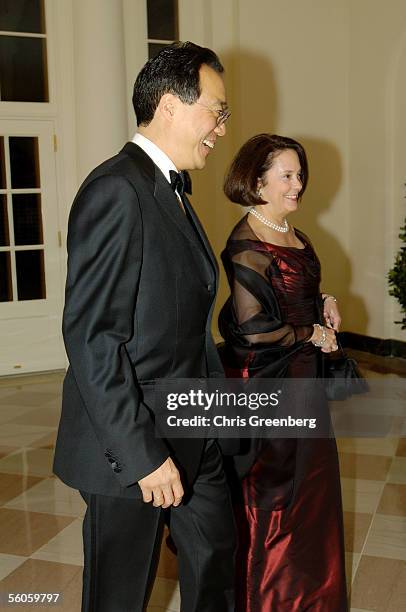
x,y
208,143
291,197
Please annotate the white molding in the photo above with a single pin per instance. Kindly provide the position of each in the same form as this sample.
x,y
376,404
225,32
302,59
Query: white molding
x,y
136,50
28,110
65,123
195,21
160,41
22,34
65,102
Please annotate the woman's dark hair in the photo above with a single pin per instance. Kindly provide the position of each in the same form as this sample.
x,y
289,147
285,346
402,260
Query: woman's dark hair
x,y
174,70
253,160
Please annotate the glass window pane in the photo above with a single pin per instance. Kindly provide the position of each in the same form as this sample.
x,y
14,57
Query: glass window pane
x,y
22,16
27,219
30,275
2,164
23,69
24,162
154,49
162,19
4,234
6,290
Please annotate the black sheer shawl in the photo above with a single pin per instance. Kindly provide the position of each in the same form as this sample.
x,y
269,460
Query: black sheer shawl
x,y
258,341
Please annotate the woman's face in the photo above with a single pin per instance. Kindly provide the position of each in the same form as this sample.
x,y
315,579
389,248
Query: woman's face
x,y
281,184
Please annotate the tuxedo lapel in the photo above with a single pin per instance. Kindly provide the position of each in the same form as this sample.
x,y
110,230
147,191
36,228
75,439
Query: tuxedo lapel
x,y
188,223
201,233
167,201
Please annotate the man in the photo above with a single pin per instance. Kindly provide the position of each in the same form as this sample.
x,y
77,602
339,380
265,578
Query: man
x,y
139,298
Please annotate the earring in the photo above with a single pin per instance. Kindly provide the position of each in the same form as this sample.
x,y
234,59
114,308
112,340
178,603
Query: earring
x,y
259,192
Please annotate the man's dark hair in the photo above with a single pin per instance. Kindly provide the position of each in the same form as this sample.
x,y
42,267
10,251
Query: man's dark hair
x,y
253,160
174,70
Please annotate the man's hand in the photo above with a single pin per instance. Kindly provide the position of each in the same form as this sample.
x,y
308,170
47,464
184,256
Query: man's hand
x,y
163,486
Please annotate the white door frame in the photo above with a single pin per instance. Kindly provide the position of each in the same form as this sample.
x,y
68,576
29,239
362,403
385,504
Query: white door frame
x,y
30,330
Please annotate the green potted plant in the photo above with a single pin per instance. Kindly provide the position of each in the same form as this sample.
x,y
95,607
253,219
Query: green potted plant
x,y
397,277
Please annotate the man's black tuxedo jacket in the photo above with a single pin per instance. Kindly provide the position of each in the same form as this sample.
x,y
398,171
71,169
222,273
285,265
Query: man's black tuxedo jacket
x,y
139,298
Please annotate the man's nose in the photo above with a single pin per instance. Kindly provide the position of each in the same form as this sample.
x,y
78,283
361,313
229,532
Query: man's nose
x,y
220,130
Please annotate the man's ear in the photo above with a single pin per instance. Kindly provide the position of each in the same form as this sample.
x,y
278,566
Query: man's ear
x,y
167,106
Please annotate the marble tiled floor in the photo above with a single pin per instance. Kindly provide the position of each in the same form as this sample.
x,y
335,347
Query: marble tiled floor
x,y
40,518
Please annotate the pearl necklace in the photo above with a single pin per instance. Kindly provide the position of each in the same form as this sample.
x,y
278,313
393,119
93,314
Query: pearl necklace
x,y
278,228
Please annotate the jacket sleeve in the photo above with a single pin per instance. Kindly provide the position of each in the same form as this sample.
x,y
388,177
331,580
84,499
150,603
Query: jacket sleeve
x,y
104,263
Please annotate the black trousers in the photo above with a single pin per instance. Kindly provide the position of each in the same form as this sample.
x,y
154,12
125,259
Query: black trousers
x,y
122,540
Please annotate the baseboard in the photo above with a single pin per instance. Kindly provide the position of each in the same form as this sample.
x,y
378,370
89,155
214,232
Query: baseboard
x,y
376,346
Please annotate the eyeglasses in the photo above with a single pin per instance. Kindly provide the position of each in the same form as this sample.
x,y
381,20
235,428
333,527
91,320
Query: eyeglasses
x,y
222,115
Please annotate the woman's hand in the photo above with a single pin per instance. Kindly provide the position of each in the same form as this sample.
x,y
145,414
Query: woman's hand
x,y
324,338
331,313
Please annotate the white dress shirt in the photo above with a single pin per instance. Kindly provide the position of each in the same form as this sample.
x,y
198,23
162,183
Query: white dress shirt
x,y
158,157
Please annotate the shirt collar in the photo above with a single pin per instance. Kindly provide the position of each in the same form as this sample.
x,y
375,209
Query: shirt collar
x,y
159,158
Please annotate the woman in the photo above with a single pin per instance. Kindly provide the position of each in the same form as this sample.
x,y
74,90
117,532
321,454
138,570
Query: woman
x,y
289,517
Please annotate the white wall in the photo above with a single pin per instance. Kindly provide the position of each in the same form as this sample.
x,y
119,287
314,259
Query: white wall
x,y
331,74
328,72
377,155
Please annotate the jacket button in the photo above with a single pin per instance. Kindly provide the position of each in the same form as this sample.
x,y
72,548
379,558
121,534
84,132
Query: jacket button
x,y
209,287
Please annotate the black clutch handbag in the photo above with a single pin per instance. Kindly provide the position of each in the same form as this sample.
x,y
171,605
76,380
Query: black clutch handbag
x,y
342,377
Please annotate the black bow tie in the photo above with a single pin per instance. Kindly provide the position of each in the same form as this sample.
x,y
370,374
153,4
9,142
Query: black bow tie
x,y
181,182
